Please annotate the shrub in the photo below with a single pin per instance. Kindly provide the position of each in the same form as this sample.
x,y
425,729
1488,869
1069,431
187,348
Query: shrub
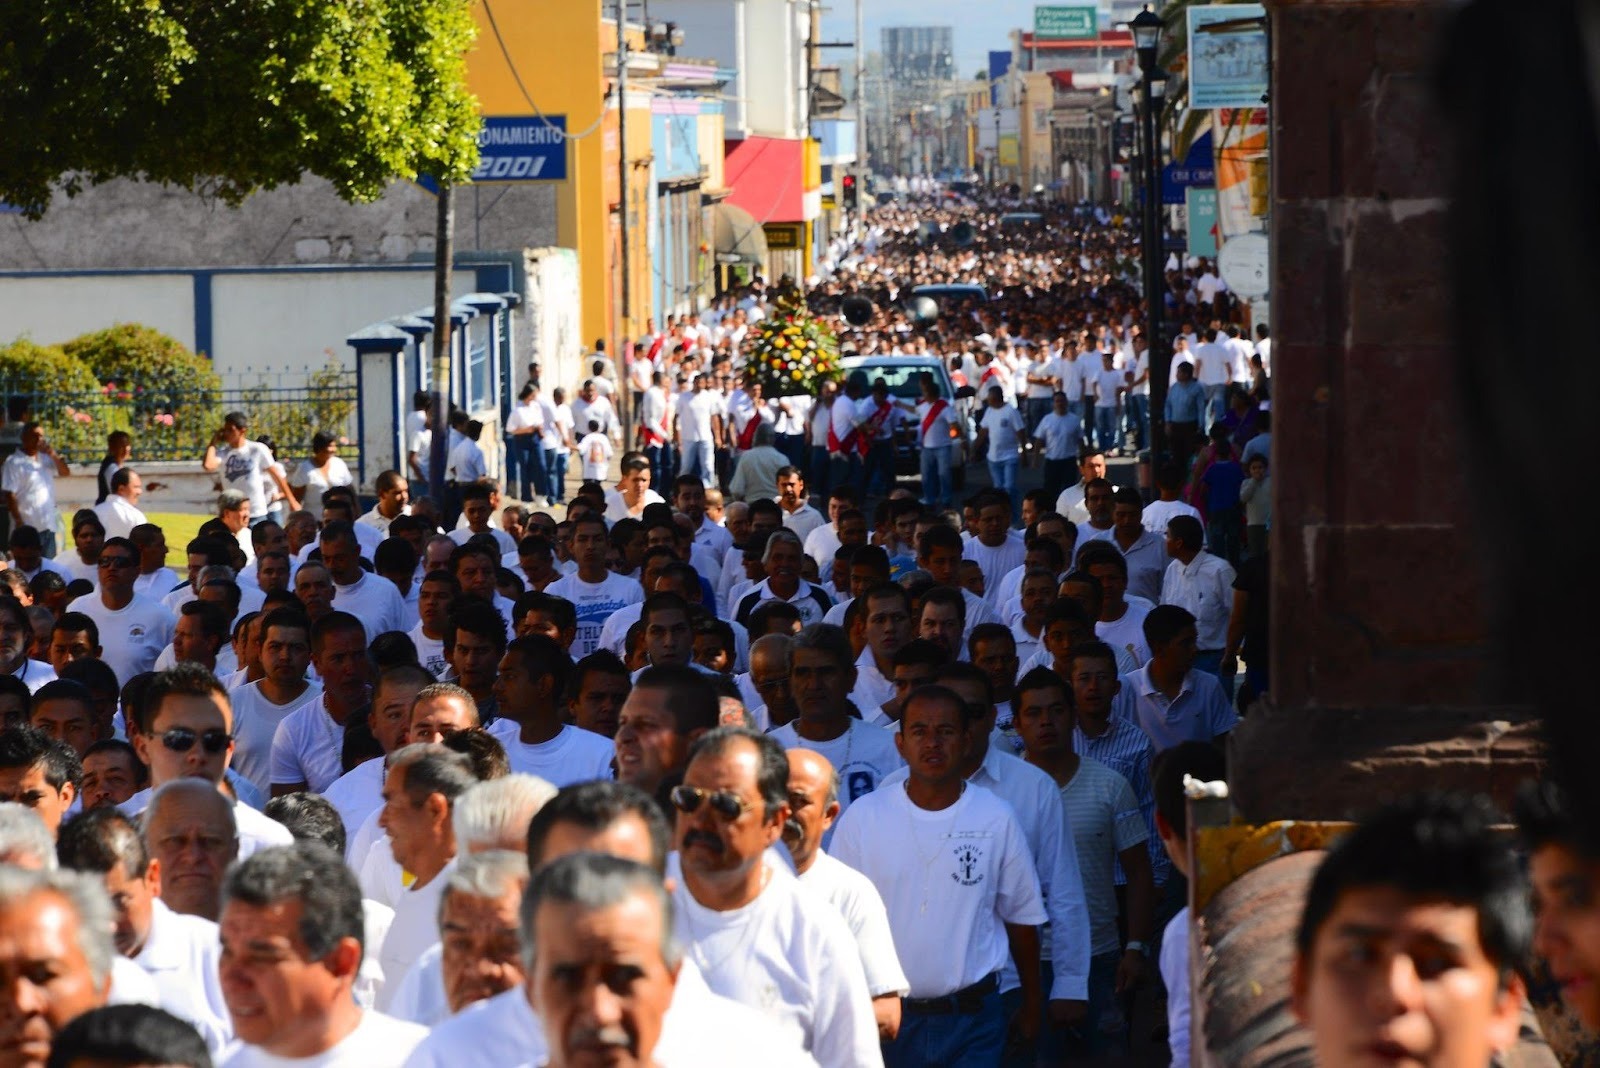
x,y
170,396
44,383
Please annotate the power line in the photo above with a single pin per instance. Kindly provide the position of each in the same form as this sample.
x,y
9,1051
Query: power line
x,y
510,65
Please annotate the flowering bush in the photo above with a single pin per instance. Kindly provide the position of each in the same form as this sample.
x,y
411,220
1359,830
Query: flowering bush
x,y
792,352
167,396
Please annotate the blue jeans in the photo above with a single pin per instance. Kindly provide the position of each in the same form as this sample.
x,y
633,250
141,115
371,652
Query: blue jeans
x,y
699,459
937,485
657,454
1105,427
844,469
1037,408
1137,414
556,467
1003,474
793,446
879,461
1087,1039
953,1040
818,472
1216,405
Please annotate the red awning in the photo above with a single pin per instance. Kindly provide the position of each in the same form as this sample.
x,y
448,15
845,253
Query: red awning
x,y
767,175
1061,78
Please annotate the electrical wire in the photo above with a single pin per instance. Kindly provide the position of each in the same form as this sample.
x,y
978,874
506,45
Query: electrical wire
x,y
511,66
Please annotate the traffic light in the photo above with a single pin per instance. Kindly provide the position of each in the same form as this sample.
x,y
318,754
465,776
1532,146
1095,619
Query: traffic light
x,y
847,186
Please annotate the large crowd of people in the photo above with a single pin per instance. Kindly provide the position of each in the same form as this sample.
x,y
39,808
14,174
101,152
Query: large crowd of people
x,y
757,753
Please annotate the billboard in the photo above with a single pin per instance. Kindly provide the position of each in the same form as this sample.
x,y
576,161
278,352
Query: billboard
x,y
1228,63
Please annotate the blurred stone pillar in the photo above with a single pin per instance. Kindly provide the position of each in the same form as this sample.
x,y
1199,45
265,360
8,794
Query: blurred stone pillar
x,y
1380,631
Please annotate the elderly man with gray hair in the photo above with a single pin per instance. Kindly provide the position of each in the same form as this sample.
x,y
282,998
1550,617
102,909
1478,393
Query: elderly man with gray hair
x,y
233,508
292,933
59,924
478,953
420,791
469,962
781,555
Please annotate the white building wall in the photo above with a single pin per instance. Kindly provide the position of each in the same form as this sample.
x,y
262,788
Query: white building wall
x,y
51,309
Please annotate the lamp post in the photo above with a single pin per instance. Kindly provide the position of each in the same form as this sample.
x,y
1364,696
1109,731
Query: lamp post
x,y
1146,29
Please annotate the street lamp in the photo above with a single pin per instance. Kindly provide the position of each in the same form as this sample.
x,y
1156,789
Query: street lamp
x,y
1146,30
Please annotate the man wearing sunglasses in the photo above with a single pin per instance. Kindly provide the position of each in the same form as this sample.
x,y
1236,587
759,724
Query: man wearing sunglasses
x,y
188,734
753,934
134,628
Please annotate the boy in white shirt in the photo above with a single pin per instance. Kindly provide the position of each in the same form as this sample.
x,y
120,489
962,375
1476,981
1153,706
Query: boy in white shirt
x,y
595,450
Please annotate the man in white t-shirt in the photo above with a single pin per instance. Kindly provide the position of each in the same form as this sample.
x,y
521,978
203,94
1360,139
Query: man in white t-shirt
x,y
438,591
260,706
755,935
119,513
246,465
822,673
394,501
358,793
134,628
28,485
584,912
595,590
529,689
304,903
372,599
814,808
959,883
188,734
307,745
996,551
1001,432
419,795
798,514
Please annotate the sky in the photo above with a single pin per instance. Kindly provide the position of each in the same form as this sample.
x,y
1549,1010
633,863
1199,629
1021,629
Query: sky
x,y
980,25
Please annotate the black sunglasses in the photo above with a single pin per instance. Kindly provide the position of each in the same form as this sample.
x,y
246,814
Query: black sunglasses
x,y
182,739
725,803
118,561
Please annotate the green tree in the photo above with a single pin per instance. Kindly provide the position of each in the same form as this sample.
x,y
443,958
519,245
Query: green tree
x,y
226,97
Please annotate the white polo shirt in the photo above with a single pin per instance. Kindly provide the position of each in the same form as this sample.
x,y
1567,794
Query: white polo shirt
x,y
415,928
180,954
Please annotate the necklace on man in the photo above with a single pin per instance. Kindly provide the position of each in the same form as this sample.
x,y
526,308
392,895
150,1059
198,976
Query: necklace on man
x,y
939,840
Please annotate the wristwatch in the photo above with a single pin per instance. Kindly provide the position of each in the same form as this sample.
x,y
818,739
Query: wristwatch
x,y
1139,948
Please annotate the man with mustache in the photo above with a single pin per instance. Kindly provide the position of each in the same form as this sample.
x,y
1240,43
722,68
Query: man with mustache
x,y
749,929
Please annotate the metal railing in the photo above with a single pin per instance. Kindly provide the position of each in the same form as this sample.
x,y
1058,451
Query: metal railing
x,y
177,424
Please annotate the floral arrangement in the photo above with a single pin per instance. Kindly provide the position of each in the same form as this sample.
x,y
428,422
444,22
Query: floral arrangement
x,y
792,352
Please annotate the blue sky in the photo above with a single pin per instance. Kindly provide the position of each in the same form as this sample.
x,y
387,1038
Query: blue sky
x,y
979,26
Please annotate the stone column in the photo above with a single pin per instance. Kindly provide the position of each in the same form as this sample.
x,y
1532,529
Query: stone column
x,y
1380,633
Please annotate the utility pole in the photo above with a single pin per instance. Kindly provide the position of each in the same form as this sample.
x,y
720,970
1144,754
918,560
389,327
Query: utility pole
x,y
861,107
625,304
439,444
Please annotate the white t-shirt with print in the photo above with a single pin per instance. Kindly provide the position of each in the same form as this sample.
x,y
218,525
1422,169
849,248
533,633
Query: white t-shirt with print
x,y
862,756
951,880
594,603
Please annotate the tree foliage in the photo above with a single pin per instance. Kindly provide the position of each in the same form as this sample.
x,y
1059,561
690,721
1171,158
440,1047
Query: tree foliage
x,y
226,97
